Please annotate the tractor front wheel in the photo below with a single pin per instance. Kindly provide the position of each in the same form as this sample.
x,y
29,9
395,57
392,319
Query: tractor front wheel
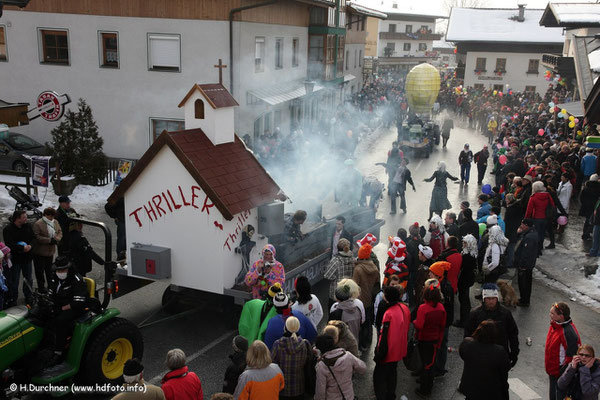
x,y
110,346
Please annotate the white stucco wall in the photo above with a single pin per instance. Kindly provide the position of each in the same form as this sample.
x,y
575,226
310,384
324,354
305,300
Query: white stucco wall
x,y
401,28
516,71
123,100
217,124
245,34
354,64
202,254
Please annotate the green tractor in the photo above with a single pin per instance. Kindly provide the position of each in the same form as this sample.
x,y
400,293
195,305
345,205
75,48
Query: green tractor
x,y
100,344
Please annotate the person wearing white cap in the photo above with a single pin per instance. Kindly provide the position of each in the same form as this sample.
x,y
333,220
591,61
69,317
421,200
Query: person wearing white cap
x,y
508,332
422,274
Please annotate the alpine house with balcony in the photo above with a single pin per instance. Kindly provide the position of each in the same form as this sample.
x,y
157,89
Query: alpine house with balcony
x,y
406,38
502,48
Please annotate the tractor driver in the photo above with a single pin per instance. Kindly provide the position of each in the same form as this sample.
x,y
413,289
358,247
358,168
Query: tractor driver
x,y
69,294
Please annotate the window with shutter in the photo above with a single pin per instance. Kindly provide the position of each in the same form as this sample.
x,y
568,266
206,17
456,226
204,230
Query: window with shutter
x,y
164,52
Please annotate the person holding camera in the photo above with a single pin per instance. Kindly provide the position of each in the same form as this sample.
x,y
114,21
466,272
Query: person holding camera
x,y
581,379
264,273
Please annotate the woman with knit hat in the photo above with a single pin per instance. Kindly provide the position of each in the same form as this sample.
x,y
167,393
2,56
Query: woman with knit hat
x,y
291,352
307,303
348,307
264,273
366,275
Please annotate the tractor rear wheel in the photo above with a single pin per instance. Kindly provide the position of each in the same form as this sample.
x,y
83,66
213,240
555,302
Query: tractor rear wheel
x,y
110,346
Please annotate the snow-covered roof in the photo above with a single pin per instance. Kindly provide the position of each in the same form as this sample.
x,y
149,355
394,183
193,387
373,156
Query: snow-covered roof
x,y
594,58
442,44
571,15
364,10
406,8
499,25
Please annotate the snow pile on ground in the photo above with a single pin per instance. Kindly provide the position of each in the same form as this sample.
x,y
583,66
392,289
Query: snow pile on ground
x,y
86,200
563,269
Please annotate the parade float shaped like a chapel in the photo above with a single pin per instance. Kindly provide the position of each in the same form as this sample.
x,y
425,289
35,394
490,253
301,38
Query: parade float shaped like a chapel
x,y
196,196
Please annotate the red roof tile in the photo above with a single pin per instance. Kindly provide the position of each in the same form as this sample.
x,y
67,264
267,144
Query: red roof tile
x,y
228,173
215,93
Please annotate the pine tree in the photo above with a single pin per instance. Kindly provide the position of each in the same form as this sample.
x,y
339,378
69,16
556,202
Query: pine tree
x,y
77,146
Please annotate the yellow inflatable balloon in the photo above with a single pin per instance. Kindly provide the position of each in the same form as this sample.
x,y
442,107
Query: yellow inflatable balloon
x,y
571,118
422,87
563,111
571,124
495,92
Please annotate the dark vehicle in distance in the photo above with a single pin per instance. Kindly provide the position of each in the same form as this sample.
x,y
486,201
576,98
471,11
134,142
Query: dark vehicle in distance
x,y
14,147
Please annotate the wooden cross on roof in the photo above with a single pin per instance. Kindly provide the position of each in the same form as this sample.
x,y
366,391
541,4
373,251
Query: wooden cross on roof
x,y
220,66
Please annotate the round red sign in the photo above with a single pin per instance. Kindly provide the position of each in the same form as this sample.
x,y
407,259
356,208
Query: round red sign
x,y
49,106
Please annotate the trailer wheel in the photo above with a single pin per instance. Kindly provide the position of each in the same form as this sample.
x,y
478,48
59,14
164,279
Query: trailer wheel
x,y
110,346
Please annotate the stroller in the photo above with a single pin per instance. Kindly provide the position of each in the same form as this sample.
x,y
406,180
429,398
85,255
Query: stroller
x,y
29,203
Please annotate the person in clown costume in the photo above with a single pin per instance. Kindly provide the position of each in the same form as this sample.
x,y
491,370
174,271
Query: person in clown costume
x,y
395,263
264,273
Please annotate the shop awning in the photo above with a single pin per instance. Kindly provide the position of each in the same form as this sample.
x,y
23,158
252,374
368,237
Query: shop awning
x,y
574,108
283,92
348,78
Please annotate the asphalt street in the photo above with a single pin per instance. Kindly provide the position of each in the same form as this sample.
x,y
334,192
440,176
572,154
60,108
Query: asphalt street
x,y
204,331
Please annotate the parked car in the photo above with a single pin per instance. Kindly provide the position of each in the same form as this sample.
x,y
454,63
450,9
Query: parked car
x,y
14,149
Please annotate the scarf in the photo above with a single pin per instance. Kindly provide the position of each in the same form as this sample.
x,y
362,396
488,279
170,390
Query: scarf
x,y
50,226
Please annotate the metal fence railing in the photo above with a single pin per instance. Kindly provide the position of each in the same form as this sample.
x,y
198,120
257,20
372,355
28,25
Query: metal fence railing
x,y
27,175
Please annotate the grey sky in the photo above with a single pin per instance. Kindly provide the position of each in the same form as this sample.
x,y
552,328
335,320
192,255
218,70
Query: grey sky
x,y
434,6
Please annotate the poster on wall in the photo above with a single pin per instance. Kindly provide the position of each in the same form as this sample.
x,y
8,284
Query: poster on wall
x,y
123,170
40,170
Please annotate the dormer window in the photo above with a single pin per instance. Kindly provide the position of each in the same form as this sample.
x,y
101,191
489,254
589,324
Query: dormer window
x,y
199,109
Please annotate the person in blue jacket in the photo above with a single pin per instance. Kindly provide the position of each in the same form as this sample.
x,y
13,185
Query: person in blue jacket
x,y
588,164
494,212
484,206
276,325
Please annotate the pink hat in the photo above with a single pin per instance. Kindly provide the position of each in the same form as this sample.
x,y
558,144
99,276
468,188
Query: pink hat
x,y
397,249
368,239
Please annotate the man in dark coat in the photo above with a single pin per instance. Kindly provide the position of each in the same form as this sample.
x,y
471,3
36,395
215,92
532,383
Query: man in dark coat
x,y
469,226
116,211
62,216
485,373
450,224
238,364
465,158
339,232
19,237
481,158
412,248
81,251
402,176
508,332
447,126
588,198
525,257
69,294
